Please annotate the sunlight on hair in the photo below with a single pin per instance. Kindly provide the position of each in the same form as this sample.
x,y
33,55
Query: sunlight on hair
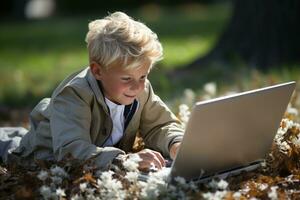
x,y
119,38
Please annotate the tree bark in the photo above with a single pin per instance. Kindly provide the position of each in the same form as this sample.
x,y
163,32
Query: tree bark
x,y
261,34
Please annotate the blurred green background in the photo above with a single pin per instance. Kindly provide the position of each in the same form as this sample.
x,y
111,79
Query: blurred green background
x,y
40,46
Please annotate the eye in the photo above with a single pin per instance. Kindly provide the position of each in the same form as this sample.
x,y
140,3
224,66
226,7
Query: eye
x,y
143,77
125,78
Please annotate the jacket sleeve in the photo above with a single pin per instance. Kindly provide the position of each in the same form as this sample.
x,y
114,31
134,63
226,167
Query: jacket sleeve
x,y
159,127
70,127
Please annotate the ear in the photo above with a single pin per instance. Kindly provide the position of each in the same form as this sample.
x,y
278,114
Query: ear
x,y
96,70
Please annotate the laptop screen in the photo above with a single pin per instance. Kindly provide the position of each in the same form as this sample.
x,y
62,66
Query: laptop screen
x,y
231,131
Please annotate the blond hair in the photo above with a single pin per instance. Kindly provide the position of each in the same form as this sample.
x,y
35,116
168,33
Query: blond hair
x,y
119,39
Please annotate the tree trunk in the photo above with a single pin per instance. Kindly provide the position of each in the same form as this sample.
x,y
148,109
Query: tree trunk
x,y
261,34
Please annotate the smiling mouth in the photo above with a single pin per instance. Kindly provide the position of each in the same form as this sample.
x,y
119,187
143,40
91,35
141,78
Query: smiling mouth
x,y
129,96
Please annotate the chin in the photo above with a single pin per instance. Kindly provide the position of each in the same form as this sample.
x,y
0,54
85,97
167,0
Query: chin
x,y
126,102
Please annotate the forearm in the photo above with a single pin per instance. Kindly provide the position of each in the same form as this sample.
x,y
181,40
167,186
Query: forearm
x,y
83,150
174,149
162,138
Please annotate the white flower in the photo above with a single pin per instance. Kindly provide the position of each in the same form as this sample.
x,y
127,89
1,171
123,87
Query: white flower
x,y
106,176
273,193
264,163
288,123
163,174
184,113
90,191
292,111
91,197
210,88
150,191
218,195
83,187
237,195
113,190
156,184
132,176
262,186
77,197
180,180
193,186
46,192
188,97
296,141
184,107
43,175
58,171
56,180
132,162
290,178
222,184
134,157
60,192
110,188
245,190
284,147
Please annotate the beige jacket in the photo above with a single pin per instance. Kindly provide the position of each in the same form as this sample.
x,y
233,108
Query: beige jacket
x,y
76,120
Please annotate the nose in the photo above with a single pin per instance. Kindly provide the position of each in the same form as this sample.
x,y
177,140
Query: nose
x,y
136,85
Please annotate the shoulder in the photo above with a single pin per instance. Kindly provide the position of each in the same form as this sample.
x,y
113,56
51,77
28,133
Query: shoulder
x,y
145,94
148,94
76,84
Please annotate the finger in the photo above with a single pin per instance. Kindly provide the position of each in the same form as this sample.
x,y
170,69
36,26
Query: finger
x,y
144,166
155,160
157,155
160,158
150,158
145,163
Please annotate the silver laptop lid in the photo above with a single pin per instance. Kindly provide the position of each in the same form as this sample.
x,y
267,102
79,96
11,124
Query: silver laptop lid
x,y
231,131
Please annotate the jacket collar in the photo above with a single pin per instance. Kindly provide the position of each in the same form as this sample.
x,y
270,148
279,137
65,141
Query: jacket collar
x,y
96,89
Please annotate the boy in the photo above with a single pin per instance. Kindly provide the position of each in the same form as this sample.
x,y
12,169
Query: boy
x,y
98,111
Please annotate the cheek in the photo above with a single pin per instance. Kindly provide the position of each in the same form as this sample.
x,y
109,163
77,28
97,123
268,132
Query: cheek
x,y
142,86
121,88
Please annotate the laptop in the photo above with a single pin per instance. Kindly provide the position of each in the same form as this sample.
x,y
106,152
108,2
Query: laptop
x,y
227,135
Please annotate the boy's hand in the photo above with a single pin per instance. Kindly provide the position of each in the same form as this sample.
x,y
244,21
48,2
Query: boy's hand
x,y
150,160
174,149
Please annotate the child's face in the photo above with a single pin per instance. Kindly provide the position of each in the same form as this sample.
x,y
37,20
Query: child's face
x,y
123,85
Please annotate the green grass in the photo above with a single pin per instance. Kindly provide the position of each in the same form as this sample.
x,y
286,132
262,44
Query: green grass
x,y
188,31
36,55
